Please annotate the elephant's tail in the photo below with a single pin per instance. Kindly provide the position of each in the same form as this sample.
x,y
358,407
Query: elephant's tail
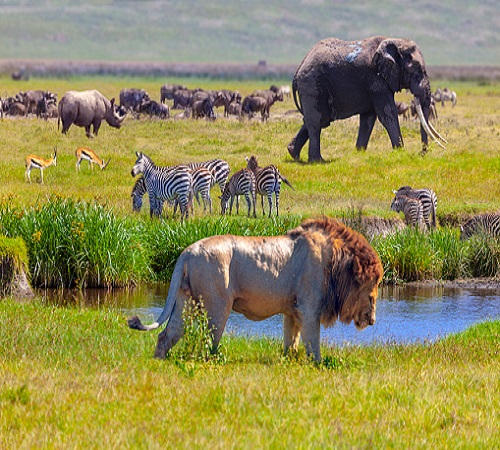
x,y
295,98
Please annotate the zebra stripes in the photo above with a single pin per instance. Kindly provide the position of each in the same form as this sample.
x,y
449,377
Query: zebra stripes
x,y
268,181
488,223
205,175
428,199
164,184
218,167
241,183
411,208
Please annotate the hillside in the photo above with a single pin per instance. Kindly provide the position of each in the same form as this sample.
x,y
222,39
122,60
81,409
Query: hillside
x,y
456,32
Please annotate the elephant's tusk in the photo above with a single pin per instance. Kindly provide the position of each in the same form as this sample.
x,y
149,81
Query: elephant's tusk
x,y
436,133
424,123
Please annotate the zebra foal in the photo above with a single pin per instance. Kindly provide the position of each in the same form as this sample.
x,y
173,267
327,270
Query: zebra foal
x,y
240,183
268,181
411,208
488,223
428,199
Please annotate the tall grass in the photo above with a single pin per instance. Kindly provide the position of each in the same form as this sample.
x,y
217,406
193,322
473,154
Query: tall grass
x,y
76,243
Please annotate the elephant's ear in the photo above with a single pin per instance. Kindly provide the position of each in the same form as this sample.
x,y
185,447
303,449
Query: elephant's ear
x,y
388,61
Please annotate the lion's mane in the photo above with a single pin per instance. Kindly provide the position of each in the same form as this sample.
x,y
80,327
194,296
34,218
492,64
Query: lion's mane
x,y
352,262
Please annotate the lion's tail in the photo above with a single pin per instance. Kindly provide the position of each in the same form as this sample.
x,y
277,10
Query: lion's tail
x,y
178,279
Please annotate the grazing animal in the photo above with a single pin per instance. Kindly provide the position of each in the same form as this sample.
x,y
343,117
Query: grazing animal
x,y
255,104
132,98
155,109
203,180
241,183
218,168
445,95
85,153
429,201
268,181
36,162
167,91
234,108
173,185
88,108
403,110
285,91
411,208
203,108
488,223
316,274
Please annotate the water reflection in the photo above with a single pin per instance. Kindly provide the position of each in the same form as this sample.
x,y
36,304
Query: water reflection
x,y
404,314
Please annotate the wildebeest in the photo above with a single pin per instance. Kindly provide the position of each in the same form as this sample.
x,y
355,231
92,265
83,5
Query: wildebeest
x,y
31,99
88,108
182,98
131,98
155,109
234,108
167,91
203,108
252,105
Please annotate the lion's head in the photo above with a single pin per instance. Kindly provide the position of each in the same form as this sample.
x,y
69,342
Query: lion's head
x,y
351,278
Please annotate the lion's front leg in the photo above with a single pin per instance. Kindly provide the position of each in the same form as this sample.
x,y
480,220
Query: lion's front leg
x,y
310,336
291,333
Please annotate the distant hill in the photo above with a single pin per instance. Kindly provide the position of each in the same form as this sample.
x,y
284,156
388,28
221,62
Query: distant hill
x,y
451,32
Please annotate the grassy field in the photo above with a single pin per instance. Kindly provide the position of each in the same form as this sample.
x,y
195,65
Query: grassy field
x,y
73,378
464,176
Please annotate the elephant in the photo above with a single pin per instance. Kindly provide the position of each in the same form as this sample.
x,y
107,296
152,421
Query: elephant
x,y
88,108
339,79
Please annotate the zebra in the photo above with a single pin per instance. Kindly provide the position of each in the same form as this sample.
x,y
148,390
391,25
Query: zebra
x,y
411,208
428,199
219,168
240,183
268,180
164,184
487,223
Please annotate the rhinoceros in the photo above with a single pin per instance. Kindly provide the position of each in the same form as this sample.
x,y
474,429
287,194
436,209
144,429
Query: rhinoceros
x,y
88,108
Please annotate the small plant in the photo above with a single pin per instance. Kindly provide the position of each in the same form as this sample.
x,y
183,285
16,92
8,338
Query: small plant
x,y
197,341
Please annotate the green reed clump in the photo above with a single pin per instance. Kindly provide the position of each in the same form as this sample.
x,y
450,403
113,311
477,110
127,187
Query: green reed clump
x,y
75,244
406,256
484,256
166,240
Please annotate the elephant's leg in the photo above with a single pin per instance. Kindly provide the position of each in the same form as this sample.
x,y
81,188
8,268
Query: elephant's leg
x,y
291,333
387,113
314,145
366,123
296,144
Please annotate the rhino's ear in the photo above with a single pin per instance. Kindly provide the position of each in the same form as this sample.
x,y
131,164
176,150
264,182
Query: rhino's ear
x,y
112,101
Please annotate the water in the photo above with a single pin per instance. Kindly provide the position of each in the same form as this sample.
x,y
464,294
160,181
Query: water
x,y
404,314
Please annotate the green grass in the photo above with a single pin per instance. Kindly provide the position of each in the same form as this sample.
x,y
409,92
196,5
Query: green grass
x,y
80,378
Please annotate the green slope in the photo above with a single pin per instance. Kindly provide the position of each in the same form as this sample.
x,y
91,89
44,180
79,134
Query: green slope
x,y
454,32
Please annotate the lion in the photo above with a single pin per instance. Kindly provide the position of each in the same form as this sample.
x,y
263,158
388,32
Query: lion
x,y
317,273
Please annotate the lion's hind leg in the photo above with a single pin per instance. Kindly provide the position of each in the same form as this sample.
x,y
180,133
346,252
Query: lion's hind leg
x,y
172,332
291,333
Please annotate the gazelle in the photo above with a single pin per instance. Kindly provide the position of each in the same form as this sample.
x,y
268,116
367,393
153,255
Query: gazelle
x,y
36,162
90,156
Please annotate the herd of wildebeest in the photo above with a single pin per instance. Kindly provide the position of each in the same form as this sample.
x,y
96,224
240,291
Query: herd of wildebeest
x,y
89,108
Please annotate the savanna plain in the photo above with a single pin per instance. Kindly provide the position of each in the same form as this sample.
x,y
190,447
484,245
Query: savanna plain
x,y
73,377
